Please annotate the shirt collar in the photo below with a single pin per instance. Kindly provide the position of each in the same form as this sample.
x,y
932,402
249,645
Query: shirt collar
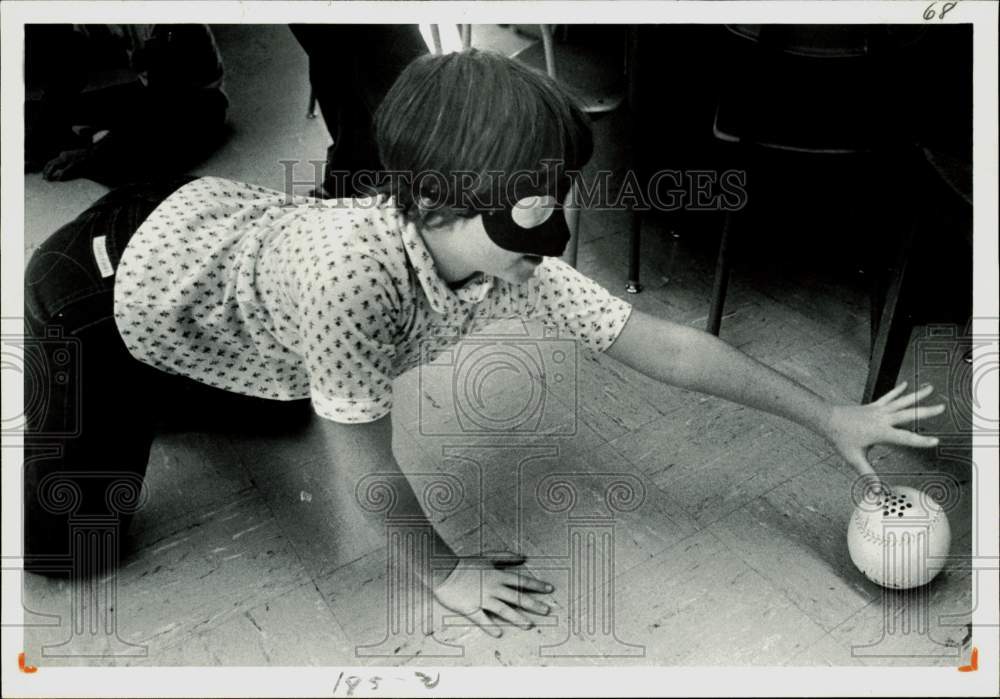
x,y
441,297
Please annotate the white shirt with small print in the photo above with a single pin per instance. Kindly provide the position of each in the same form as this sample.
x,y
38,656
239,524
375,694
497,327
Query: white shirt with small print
x,y
250,290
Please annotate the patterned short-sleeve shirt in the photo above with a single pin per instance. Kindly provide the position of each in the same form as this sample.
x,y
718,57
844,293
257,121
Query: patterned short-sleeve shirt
x,y
252,291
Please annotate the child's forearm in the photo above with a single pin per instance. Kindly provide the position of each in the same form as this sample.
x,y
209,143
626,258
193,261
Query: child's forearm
x,y
357,451
692,359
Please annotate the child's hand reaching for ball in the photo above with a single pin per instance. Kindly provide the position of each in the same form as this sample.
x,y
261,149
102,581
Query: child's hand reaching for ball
x,y
855,428
480,584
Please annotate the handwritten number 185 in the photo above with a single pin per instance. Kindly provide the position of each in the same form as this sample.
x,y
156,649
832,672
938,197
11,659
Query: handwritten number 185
x,y
931,12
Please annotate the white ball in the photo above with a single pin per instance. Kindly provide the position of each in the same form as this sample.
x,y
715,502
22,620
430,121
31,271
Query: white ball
x,y
899,539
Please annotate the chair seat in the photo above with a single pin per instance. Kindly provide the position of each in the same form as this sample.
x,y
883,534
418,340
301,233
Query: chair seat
x,y
595,76
843,104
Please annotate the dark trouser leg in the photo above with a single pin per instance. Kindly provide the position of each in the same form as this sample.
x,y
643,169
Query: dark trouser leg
x,y
87,413
351,68
86,456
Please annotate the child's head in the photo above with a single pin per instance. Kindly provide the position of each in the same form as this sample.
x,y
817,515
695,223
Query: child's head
x,y
460,132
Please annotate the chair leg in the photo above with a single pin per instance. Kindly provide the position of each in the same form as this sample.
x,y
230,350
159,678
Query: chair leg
x,y
632,286
311,109
876,302
573,223
894,327
436,40
721,283
550,54
635,240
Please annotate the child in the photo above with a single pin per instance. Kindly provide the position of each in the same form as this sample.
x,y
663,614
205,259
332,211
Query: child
x,y
251,292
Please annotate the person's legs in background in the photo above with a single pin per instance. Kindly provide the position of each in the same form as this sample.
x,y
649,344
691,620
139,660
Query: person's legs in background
x,y
351,68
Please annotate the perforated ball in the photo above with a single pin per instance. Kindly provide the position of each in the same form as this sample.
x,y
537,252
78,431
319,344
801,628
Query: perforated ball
x,y
899,539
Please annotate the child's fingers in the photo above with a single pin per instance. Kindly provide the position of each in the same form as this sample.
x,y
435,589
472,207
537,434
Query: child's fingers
x,y
891,395
860,463
504,559
508,614
911,439
911,398
480,619
522,601
525,582
919,413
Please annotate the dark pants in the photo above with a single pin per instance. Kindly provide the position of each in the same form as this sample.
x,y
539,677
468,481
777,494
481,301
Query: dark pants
x,y
351,68
90,407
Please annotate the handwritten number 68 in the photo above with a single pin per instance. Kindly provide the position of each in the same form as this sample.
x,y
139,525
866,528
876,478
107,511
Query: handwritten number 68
x,y
931,12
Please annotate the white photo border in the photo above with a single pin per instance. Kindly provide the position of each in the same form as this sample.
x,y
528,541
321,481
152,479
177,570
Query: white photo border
x,y
523,681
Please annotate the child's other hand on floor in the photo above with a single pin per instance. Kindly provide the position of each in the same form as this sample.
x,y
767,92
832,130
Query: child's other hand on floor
x,y
480,584
855,428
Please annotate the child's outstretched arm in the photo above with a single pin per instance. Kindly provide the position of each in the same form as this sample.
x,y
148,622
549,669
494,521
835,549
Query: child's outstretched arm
x,y
473,585
692,359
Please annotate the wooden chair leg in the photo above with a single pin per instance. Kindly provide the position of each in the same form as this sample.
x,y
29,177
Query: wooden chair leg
x,y
894,327
721,283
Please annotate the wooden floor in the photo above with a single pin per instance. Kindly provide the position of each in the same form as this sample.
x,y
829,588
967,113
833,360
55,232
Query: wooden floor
x,y
678,529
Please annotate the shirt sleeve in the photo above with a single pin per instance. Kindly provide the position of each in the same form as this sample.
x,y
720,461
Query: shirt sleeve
x,y
346,325
558,294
